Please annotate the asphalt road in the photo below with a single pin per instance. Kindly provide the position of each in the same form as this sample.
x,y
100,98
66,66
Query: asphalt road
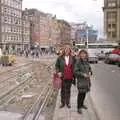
x,y
106,91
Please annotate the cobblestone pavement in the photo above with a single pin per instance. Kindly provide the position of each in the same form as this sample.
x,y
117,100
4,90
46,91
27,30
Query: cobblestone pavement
x,y
71,114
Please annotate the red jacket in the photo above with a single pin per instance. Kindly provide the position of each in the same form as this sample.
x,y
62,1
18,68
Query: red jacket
x,y
68,71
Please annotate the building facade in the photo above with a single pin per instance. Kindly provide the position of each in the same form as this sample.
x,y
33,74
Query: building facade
x,y
54,31
74,28
11,25
41,25
34,18
112,19
84,32
25,31
65,32
44,31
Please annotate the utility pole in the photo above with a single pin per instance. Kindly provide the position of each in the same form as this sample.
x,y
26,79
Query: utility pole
x,y
87,36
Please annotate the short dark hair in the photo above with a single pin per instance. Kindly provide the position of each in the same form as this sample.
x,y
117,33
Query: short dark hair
x,y
83,51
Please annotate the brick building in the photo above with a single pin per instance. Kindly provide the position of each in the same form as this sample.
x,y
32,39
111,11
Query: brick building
x,y
65,32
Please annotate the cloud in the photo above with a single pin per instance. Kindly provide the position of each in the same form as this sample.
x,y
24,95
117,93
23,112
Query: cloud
x,y
71,10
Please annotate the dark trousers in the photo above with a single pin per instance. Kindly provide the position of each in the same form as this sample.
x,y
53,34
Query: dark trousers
x,y
80,99
66,92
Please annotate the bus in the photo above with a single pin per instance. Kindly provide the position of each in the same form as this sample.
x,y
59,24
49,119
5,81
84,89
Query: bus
x,y
98,47
0,52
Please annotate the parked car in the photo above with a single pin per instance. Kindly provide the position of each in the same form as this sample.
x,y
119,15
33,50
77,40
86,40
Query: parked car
x,y
118,62
116,51
112,58
101,56
93,58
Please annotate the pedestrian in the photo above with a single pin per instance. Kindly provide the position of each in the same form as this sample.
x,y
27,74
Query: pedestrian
x,y
26,53
82,72
64,67
32,53
37,55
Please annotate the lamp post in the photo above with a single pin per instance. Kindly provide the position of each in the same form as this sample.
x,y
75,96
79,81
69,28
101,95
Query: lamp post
x,y
87,33
87,36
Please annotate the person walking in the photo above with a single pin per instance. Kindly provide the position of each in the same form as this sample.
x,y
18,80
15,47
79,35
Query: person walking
x,y
64,67
82,72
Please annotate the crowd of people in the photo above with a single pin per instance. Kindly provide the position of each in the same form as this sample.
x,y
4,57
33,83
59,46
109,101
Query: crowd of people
x,y
73,68
29,53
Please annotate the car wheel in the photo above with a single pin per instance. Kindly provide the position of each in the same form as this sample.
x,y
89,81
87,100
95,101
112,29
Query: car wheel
x,y
108,62
118,65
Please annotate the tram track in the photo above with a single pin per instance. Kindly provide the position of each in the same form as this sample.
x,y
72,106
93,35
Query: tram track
x,y
10,71
9,95
5,96
35,110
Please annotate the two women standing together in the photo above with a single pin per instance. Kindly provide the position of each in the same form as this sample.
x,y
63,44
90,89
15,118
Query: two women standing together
x,y
69,69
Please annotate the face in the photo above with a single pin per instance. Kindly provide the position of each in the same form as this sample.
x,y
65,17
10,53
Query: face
x,y
67,50
83,55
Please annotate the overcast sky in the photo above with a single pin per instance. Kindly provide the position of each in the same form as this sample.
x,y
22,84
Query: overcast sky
x,y
72,10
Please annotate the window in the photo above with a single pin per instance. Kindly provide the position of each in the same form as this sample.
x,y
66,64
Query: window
x,y
11,29
111,3
17,22
14,30
109,26
109,34
114,34
5,19
109,15
2,28
17,38
114,26
12,38
113,14
9,20
5,9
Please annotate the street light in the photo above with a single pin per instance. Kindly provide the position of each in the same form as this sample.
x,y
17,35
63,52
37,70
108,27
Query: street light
x,y
87,36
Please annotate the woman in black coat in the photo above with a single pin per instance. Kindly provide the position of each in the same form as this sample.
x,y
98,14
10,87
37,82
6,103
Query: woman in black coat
x,y
82,72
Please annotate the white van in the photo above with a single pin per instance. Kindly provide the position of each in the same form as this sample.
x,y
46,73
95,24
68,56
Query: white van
x,y
0,52
92,56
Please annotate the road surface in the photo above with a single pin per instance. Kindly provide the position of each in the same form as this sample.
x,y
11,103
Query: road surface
x,y
106,91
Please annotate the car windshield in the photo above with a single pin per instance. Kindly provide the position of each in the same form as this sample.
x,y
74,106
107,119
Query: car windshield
x,y
114,56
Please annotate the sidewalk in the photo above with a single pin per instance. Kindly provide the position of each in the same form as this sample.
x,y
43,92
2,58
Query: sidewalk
x,y
71,114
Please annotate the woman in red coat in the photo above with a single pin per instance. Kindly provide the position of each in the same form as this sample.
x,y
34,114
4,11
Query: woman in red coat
x,y
64,67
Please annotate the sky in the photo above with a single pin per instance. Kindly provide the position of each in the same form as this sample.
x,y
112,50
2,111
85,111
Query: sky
x,y
72,10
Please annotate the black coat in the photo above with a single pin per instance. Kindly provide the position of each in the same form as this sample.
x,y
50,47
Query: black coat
x,y
82,67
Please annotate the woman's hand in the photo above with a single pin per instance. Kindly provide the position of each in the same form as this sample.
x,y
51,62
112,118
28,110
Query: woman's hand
x,y
60,74
90,74
86,75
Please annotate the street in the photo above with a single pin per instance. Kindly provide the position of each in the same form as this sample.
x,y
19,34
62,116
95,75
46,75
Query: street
x,y
105,91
